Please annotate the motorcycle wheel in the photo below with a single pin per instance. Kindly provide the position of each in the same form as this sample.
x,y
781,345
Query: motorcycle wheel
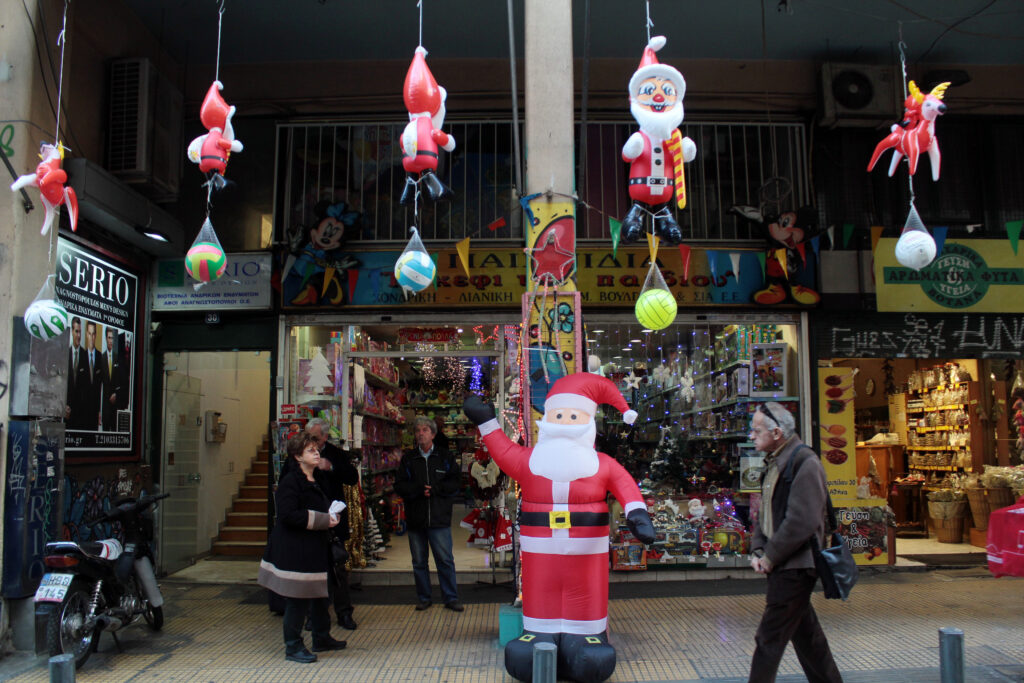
x,y
154,616
65,626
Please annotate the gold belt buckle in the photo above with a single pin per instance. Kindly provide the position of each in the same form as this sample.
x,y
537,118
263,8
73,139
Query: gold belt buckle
x,y
559,519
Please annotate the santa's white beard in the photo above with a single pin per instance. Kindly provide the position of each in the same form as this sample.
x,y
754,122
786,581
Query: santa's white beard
x,y
658,126
564,452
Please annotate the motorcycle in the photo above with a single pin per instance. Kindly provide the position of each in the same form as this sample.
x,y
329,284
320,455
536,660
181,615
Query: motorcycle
x,y
96,586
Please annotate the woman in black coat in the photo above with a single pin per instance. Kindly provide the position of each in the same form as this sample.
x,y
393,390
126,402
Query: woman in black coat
x,y
297,557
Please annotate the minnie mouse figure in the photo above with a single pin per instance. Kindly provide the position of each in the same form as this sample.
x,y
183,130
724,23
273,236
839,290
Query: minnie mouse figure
x,y
786,233
315,273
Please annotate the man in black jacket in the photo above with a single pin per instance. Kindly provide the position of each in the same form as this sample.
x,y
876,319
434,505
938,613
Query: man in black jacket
x,y
427,480
339,464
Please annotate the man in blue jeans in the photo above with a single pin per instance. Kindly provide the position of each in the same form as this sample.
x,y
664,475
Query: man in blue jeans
x,y
428,479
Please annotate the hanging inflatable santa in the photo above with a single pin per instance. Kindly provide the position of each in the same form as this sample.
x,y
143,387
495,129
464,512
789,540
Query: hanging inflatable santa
x,y
657,151
212,150
564,525
424,100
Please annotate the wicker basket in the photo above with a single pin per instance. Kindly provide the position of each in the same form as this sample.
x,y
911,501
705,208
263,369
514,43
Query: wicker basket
x,y
950,530
979,508
999,498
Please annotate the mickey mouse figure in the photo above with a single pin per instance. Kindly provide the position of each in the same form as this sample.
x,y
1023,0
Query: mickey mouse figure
x,y
785,232
316,273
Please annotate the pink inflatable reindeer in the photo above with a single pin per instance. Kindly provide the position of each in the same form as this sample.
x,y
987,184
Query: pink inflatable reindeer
x,y
916,132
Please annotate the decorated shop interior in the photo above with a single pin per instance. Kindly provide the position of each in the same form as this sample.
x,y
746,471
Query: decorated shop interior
x,y
936,416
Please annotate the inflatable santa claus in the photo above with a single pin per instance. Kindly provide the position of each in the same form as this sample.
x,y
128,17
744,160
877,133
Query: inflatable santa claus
x,y
424,100
657,151
563,522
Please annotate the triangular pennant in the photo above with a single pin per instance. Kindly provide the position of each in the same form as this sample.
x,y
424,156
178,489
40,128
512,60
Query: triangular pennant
x,y
353,279
328,279
780,254
462,247
831,236
802,250
816,246
734,256
615,228
876,234
847,234
684,254
433,257
712,266
652,244
1013,233
939,235
761,258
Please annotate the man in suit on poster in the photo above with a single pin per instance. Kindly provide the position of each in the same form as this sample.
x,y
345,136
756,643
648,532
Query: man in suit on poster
x,y
78,377
93,382
112,379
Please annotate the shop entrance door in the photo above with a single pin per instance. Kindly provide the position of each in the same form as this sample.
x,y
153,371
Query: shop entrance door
x,y
182,424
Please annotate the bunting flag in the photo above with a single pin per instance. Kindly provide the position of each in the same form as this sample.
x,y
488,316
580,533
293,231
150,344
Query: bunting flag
x,y
615,228
831,236
433,257
876,234
939,235
328,279
494,225
1013,233
353,279
802,250
684,254
652,244
780,255
761,259
462,247
847,234
816,246
734,256
712,266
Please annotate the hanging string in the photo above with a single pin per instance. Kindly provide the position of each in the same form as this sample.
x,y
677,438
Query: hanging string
x,y
419,3
220,21
903,69
649,22
62,41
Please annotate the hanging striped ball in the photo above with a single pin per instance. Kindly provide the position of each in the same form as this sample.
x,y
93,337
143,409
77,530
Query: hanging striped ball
x,y
656,309
206,261
46,319
415,270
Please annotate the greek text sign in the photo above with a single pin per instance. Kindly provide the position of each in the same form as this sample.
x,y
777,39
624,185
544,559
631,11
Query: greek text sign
x,y
244,284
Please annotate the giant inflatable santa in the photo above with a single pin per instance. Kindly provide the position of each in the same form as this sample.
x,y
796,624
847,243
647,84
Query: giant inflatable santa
x,y
564,525
657,151
424,100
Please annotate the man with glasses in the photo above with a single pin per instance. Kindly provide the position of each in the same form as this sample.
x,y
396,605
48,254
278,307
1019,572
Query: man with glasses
x,y
793,501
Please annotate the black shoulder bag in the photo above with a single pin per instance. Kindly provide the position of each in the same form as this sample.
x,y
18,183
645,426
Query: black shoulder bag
x,y
834,564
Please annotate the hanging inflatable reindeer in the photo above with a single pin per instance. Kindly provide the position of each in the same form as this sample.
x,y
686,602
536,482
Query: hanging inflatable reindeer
x,y
916,132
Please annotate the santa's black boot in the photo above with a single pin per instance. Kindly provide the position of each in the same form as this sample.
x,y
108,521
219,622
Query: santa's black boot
x,y
519,653
666,228
437,190
585,659
633,224
409,191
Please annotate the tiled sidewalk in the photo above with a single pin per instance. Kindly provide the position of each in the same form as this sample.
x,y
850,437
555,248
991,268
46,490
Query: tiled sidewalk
x,y
887,632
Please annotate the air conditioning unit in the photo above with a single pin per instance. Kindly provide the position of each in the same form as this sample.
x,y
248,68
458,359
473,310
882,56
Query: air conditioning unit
x,y
859,95
144,135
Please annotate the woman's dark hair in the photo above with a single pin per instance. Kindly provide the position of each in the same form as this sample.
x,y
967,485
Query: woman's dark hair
x,y
298,443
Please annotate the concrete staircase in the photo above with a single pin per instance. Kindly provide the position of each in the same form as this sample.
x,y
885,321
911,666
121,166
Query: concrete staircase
x,y
244,532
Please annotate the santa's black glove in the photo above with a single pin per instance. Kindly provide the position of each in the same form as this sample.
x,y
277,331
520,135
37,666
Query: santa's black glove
x,y
477,410
639,523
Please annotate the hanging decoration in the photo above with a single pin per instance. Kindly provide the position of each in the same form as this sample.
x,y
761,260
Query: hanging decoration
x,y
45,317
414,269
915,134
657,151
656,306
213,149
915,247
49,177
424,100
205,260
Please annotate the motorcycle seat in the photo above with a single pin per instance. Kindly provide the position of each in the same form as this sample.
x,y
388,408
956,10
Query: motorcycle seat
x,y
107,549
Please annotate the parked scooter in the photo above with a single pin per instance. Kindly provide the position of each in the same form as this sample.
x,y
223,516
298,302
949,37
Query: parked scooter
x,y
98,586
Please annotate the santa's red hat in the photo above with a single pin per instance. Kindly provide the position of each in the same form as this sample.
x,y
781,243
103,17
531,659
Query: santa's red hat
x,y
214,110
421,92
584,391
650,66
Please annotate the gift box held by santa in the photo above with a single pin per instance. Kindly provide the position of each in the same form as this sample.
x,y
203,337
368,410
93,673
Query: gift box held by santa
x,y
564,525
657,151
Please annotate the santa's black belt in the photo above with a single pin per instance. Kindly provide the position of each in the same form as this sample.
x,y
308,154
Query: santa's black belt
x,y
563,519
652,180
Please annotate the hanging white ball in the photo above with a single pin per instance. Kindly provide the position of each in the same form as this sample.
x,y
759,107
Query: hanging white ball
x,y
915,249
45,319
593,363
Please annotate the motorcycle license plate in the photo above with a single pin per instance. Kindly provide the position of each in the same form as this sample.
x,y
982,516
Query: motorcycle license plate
x,y
53,587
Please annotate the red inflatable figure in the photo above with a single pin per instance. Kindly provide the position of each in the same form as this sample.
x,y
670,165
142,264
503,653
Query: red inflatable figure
x,y
424,100
50,178
916,132
212,150
564,525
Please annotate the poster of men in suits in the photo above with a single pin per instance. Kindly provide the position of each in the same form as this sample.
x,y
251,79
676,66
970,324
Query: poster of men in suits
x,y
101,298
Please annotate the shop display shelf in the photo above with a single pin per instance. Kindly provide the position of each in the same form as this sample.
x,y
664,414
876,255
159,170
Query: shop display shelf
x,y
938,468
935,448
951,406
941,387
384,469
660,392
433,405
379,417
385,444
378,381
941,428
305,399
